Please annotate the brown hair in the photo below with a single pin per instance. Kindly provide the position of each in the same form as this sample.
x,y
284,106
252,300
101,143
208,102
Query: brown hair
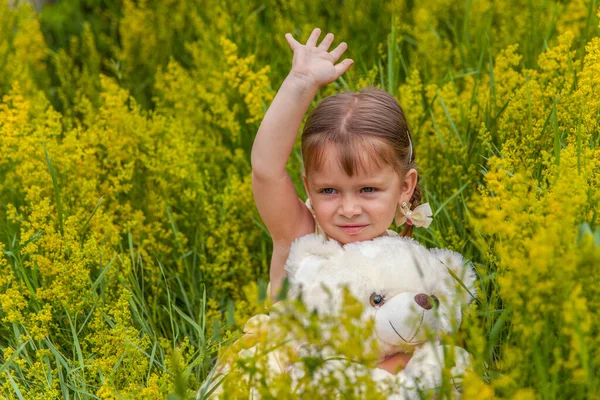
x,y
368,125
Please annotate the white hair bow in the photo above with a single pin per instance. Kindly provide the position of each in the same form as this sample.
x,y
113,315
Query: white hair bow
x,y
421,216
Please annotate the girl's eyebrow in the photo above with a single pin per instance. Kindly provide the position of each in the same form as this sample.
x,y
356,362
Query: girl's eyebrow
x,y
324,184
372,182
364,183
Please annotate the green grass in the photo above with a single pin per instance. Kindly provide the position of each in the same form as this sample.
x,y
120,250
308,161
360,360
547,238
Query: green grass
x,y
176,307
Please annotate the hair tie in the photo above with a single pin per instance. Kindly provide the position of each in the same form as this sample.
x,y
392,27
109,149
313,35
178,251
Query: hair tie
x,y
421,216
410,147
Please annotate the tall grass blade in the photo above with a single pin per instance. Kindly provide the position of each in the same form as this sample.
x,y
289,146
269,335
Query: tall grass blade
x,y
14,355
557,145
391,81
100,277
77,346
56,190
449,199
87,223
14,386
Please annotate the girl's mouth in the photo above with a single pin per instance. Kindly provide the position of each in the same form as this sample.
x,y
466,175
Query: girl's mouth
x,y
353,229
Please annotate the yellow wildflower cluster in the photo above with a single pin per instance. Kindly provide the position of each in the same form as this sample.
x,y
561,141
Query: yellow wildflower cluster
x,y
252,86
530,208
22,50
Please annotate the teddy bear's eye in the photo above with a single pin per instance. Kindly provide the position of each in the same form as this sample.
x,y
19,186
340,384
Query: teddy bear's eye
x,y
376,299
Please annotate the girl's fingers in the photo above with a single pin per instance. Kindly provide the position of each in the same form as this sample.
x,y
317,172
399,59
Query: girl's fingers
x,y
338,51
314,36
327,40
343,67
291,41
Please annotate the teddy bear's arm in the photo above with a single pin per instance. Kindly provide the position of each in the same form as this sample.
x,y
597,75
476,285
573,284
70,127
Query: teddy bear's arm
x,y
425,367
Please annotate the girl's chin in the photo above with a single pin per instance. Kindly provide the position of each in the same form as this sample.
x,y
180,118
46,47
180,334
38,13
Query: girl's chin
x,y
353,239
349,239
345,238
364,234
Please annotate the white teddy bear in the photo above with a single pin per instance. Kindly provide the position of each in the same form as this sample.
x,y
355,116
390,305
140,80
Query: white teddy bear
x,y
408,291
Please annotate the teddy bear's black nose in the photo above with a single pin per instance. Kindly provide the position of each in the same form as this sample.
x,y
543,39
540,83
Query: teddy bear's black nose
x,y
425,301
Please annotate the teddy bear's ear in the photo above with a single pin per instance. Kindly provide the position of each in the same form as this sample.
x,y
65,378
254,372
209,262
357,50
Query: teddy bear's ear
x,y
308,252
460,268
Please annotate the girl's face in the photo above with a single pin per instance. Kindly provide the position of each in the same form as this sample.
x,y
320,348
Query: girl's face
x,y
357,208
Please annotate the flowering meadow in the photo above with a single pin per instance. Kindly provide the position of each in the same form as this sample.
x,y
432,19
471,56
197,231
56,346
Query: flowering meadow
x,y
132,251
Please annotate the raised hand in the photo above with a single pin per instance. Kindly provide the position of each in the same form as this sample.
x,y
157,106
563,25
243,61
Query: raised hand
x,y
316,65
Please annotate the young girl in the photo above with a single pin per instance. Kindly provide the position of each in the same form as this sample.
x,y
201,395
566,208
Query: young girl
x,y
359,168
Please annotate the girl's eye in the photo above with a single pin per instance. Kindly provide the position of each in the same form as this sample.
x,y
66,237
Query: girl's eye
x,y
328,191
369,189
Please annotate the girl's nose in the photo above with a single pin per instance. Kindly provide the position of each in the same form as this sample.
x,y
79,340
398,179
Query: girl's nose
x,y
349,207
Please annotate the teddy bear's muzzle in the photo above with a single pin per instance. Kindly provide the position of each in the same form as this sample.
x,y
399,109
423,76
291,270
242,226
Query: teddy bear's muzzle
x,y
405,317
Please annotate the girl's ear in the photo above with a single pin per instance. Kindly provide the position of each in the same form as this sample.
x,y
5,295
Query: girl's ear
x,y
408,185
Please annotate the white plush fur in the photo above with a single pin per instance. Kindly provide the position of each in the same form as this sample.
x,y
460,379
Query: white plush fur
x,y
399,269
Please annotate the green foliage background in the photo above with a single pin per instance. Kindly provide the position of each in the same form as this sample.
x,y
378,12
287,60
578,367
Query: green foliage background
x,y
131,246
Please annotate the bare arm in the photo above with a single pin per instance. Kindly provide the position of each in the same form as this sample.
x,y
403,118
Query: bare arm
x,y
281,210
274,193
277,133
